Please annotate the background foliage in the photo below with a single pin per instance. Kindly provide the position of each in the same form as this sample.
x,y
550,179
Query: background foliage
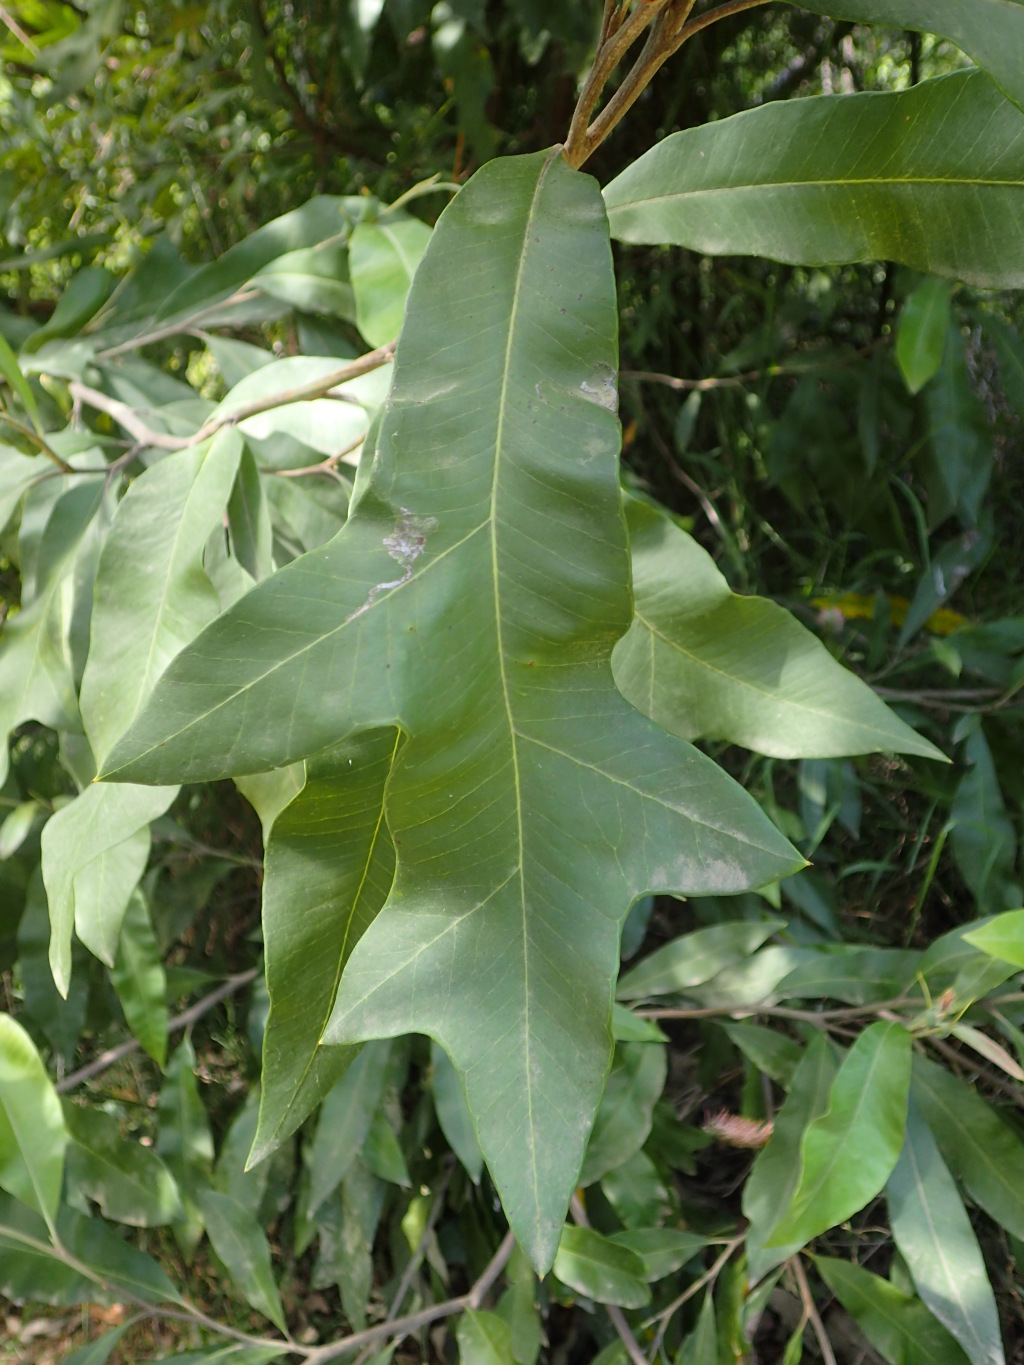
x,y
840,440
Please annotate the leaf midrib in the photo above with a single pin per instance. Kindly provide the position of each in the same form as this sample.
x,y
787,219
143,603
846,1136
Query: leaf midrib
x,y
852,183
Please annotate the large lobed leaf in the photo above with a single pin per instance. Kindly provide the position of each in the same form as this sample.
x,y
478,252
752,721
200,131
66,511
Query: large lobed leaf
x,y
473,599
932,177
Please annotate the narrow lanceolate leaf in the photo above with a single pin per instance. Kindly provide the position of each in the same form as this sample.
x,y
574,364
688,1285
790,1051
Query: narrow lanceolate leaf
x,y
241,1244
849,1152
626,1111
129,1182
921,334
976,1143
898,1325
329,866
473,597
383,257
1002,938
33,1135
94,852
776,1172
705,662
152,595
935,1238
991,32
345,1118
932,177
695,958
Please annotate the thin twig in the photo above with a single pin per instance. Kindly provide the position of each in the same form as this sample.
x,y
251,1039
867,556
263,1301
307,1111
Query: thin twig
x,y
324,467
10,22
615,1314
708,1278
180,1021
39,441
173,329
817,1017
714,15
125,416
811,1312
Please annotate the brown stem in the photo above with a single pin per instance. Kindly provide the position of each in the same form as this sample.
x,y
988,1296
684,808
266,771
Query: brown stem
x,y
40,442
714,15
811,1312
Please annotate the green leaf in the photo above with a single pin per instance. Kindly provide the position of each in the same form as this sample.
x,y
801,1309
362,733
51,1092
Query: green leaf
x,y
978,1145
107,1266
921,334
703,661
991,32
897,1324
95,850
983,838
700,1347
776,1172
11,373
600,1268
17,475
152,595
184,1140
36,681
770,1051
518,1306
140,981
328,869
313,279
345,1118
849,1152
129,1182
858,976
930,177
1002,938
935,1238
662,1250
33,1134
382,1153
484,1339
241,1244
383,257
958,461
16,826
249,520
453,1114
626,1111
695,958
61,1020
230,1175
97,1352
520,746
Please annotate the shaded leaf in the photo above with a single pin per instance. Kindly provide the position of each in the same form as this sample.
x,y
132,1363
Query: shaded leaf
x,y
139,979
703,661
241,1244
484,1339
626,1111
249,520
935,1238
453,1114
662,1250
858,976
701,1346
983,838
345,1118
921,333
129,1182
600,1268
899,177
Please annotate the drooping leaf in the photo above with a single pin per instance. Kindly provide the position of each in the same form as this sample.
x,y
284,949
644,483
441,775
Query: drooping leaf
x,y
140,981
382,1152
600,1268
107,1266
960,453
776,1172
849,1152
94,852
152,595
626,1111
345,1118
991,32
897,1324
129,1182
36,681
484,1339
695,958
935,1238
899,177
61,1020
10,373
249,520
184,1140
921,334
983,839
33,1135
383,257
703,661
230,1175
241,1244
700,1347
977,1144
507,957
328,869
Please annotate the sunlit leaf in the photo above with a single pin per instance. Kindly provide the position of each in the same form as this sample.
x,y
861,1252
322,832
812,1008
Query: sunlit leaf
x,y
33,1135
601,1269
